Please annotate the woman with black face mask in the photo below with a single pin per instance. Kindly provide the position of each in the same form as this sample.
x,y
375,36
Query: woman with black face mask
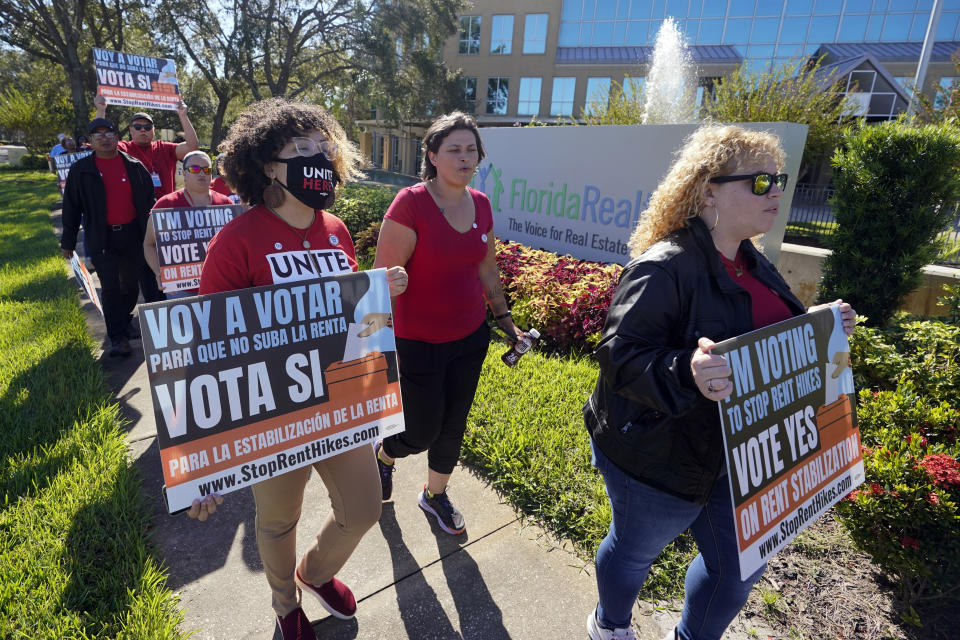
x,y
286,159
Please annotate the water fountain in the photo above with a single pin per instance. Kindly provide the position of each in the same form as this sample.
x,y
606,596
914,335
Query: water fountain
x,y
671,88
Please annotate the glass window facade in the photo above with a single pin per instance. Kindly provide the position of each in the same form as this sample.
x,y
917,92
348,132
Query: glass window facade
x,y
747,24
497,95
535,32
470,93
561,102
598,94
469,35
501,35
529,97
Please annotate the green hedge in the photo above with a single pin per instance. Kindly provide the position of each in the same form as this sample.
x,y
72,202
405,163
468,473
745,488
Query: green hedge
x,y
360,205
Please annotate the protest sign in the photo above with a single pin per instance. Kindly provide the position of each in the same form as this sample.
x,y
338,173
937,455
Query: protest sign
x,y
182,236
63,162
86,281
251,384
789,430
136,81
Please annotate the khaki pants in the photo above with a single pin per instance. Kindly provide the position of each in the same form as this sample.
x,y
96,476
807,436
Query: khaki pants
x,y
353,483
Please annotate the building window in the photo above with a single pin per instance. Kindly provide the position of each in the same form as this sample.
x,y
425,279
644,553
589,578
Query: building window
x,y
497,93
419,157
529,104
469,35
861,81
395,161
535,33
470,93
633,88
945,91
561,102
501,35
598,95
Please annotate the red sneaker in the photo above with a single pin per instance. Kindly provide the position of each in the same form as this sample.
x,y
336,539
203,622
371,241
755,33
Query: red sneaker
x,y
335,596
296,626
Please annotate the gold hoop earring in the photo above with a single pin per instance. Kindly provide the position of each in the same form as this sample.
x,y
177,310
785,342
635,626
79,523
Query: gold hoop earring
x,y
273,195
716,219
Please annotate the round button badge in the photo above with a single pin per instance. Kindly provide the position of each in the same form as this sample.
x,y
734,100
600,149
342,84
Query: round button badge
x,y
277,246
483,237
334,240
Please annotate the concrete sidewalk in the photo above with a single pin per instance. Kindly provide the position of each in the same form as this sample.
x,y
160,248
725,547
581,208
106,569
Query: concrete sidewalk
x,y
501,580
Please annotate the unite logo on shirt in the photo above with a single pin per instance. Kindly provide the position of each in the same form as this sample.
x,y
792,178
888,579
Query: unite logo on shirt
x,y
291,266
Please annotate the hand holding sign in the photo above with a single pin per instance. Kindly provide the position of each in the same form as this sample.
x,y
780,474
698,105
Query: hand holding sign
x,y
710,372
203,509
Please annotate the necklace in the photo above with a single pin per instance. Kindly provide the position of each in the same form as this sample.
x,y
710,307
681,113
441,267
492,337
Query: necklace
x,y
303,238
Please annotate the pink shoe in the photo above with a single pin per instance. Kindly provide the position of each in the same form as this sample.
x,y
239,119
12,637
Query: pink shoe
x,y
335,596
296,626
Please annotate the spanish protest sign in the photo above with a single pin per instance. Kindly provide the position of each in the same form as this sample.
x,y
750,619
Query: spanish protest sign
x,y
182,236
251,384
63,162
85,280
136,81
789,430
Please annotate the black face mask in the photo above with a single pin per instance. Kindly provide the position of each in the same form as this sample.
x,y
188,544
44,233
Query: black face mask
x,y
311,180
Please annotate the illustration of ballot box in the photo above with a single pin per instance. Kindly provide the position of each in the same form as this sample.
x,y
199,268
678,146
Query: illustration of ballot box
x,y
165,88
835,421
360,378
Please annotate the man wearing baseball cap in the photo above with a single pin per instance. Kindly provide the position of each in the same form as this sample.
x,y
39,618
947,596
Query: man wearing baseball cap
x,y
110,194
160,158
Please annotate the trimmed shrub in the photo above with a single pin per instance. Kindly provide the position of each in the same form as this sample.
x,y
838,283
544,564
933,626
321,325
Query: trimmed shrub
x,y
34,161
365,242
564,298
359,205
905,516
895,184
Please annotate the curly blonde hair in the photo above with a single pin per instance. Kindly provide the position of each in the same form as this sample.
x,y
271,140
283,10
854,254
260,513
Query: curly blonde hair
x,y
710,151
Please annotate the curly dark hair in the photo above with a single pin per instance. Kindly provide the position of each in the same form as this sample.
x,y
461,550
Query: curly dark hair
x,y
263,129
439,130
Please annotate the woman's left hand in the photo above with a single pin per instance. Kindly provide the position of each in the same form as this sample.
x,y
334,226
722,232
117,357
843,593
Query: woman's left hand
x,y
397,280
847,314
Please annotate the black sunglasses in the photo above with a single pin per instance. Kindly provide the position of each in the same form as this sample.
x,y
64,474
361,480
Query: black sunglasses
x,y
142,127
762,182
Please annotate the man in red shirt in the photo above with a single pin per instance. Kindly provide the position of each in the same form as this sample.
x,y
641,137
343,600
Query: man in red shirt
x,y
110,194
160,158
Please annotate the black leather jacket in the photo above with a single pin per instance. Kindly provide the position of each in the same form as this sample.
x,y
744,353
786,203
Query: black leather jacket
x,y
85,200
645,414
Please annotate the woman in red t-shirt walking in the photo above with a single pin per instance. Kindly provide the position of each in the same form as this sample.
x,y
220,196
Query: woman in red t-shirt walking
x,y
442,232
269,149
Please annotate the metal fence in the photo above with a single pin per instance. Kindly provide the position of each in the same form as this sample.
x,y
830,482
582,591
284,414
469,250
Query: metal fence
x,y
811,221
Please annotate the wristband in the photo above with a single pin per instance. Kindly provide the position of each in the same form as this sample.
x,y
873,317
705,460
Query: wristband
x,y
503,315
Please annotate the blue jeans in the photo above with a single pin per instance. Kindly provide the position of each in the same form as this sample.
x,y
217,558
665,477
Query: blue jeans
x,y
645,520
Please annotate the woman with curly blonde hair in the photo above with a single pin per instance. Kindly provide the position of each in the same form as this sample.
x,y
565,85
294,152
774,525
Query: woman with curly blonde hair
x,y
695,278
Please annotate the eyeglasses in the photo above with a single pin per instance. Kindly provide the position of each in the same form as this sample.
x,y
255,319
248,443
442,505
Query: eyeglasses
x,y
103,135
142,127
307,147
195,168
762,182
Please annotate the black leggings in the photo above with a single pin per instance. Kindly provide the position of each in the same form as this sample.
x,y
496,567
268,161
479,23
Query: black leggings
x,y
437,384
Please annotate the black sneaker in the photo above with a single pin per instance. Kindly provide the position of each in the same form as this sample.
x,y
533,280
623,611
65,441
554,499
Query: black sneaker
x,y
449,519
386,472
119,348
133,330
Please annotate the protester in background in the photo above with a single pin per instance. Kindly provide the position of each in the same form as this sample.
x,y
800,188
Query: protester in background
x,y
196,192
83,144
160,158
270,148
696,278
220,185
110,194
58,148
69,145
442,232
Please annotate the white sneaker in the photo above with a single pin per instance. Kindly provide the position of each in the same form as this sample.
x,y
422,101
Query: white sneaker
x,y
596,632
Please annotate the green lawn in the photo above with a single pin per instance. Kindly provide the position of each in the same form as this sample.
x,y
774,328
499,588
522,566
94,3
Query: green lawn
x,y
74,559
526,435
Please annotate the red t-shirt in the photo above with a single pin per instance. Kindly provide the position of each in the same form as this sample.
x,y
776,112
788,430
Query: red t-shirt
x,y
160,158
178,200
220,186
257,248
444,298
120,209
768,308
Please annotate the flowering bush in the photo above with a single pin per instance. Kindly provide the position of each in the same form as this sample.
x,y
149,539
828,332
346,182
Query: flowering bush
x,y
906,514
564,298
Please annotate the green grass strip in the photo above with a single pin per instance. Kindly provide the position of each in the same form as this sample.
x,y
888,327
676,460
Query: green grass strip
x,y
74,558
526,435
